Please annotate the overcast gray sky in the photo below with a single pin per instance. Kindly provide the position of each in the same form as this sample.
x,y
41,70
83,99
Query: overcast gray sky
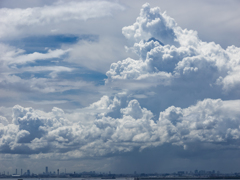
x,y
119,86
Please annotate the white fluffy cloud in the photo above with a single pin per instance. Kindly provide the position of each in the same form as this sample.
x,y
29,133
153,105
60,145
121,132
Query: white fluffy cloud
x,y
151,23
169,74
167,62
34,131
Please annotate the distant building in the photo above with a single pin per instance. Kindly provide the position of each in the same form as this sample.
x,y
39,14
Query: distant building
x,y
46,170
28,172
180,173
202,172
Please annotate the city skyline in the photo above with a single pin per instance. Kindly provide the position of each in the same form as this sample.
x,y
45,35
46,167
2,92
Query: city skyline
x,y
63,172
57,172
119,86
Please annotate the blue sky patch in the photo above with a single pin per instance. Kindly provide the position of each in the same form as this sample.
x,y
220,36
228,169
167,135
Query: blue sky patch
x,y
43,43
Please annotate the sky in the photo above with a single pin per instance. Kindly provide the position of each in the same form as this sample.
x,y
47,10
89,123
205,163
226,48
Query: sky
x,y
119,86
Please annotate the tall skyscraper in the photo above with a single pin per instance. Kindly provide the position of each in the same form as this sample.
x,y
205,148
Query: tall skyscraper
x,y
46,170
57,171
21,172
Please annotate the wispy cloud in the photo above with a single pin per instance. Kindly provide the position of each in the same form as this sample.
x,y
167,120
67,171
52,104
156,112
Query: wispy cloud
x,y
17,21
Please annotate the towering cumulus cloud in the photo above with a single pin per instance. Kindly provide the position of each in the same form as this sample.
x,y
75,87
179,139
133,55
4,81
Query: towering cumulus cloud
x,y
181,91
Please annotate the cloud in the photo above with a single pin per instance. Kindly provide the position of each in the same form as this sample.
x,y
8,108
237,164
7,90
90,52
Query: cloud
x,y
3,120
54,69
43,85
156,54
17,21
207,122
13,56
151,23
44,75
97,55
189,64
14,63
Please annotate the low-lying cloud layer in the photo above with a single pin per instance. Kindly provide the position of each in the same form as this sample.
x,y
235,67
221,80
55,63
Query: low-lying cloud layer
x,y
181,91
212,122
